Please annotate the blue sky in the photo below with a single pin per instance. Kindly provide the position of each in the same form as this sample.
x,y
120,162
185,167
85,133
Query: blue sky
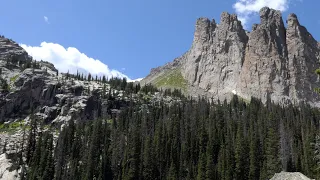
x,y
129,36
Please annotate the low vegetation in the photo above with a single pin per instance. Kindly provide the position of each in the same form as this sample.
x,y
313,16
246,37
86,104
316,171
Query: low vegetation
x,y
13,79
172,79
10,127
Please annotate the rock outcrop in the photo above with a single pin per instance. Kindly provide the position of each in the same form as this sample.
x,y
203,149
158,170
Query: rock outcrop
x,y
8,48
270,62
289,176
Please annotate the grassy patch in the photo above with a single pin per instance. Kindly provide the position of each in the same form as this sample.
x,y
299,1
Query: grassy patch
x,y
12,79
172,79
11,127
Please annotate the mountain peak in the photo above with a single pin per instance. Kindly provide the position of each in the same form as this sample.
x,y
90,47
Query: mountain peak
x,y
271,62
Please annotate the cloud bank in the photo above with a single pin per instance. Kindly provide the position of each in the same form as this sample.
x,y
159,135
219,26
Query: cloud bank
x,y
70,59
246,8
134,80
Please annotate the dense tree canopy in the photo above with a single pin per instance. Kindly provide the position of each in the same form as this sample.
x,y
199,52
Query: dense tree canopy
x,y
182,140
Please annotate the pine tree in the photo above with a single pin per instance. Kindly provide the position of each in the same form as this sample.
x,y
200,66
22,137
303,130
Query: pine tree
x,y
148,171
222,163
34,171
31,144
49,163
4,85
241,155
172,175
89,77
93,160
202,163
271,157
104,79
4,149
254,158
68,75
210,166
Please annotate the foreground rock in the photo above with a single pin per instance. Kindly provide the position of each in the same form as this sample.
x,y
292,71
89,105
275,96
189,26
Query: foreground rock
x,y
270,62
289,176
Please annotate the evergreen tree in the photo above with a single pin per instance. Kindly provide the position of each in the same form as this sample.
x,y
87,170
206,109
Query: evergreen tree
x,y
89,77
271,159
31,144
254,158
68,75
148,170
210,166
104,79
172,175
202,163
49,162
241,155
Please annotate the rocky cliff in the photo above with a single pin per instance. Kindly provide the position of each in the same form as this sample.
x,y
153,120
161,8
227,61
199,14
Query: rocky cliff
x,y
28,86
270,62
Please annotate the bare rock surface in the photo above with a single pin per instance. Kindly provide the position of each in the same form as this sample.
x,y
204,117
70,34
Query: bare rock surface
x,y
289,176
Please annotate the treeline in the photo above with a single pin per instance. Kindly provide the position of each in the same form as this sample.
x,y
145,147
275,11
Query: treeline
x,y
121,84
184,140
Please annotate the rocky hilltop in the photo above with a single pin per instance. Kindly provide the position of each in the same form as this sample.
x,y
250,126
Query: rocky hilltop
x,y
270,62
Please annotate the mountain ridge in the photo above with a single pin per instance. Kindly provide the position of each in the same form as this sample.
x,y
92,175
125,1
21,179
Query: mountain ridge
x,y
270,62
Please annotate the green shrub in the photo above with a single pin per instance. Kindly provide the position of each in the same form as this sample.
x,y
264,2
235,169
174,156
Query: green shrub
x,y
12,79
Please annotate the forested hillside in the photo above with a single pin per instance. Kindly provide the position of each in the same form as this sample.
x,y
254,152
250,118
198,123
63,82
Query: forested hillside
x,y
185,139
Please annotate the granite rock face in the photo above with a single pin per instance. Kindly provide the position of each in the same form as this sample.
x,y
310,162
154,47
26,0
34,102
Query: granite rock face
x,y
216,56
270,62
264,72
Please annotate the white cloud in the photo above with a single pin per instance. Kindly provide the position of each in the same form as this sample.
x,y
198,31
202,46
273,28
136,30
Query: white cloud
x,y
46,19
246,8
70,59
134,80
